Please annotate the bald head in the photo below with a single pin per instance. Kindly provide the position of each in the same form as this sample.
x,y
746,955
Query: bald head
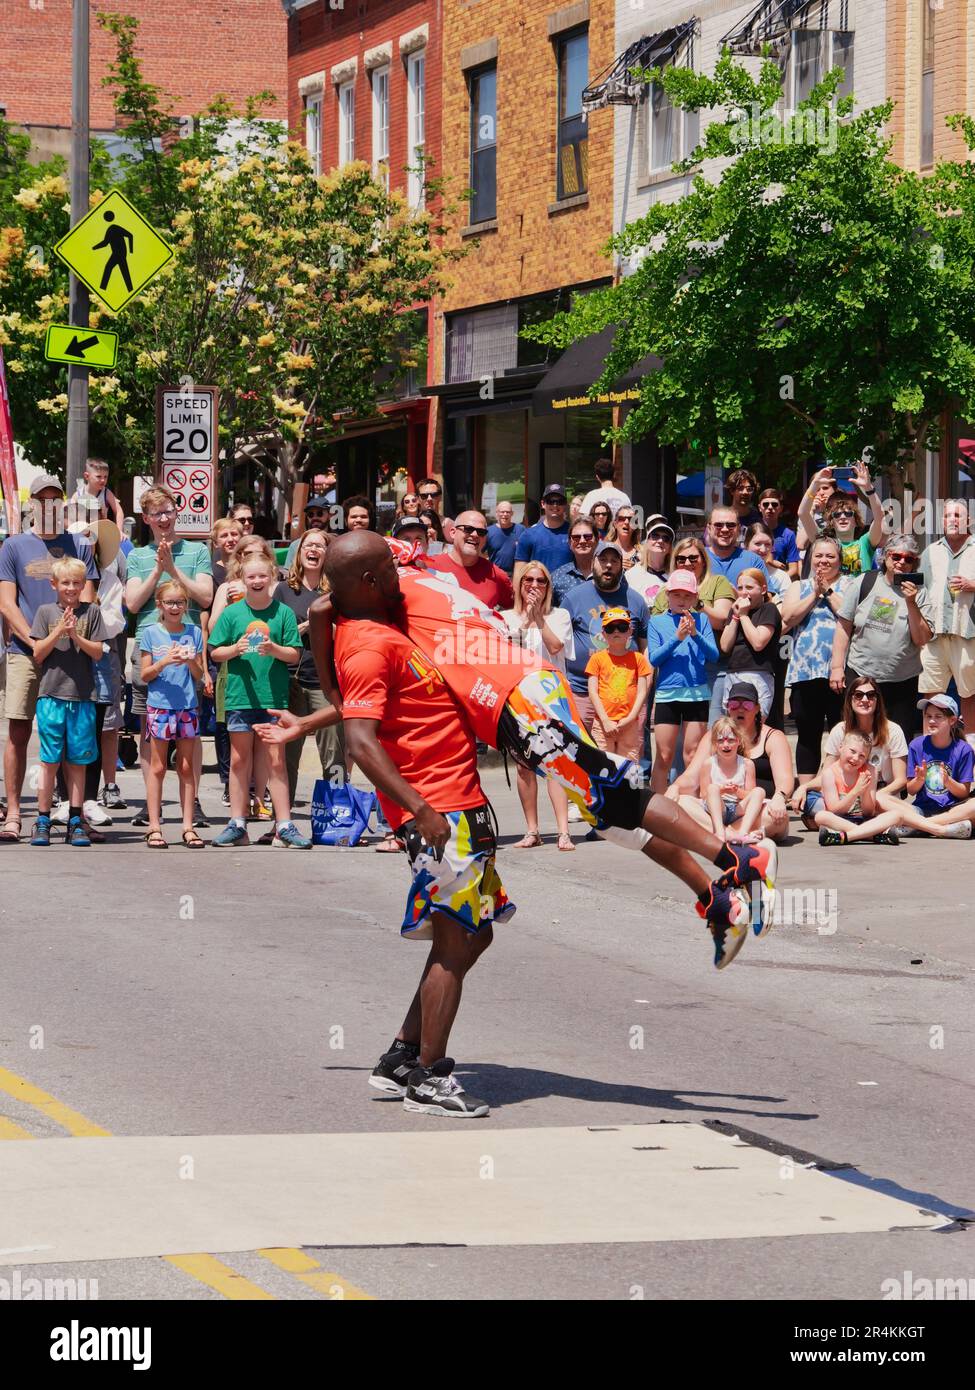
x,y
361,574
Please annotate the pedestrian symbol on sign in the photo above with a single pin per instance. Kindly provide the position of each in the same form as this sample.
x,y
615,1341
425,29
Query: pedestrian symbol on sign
x,y
120,241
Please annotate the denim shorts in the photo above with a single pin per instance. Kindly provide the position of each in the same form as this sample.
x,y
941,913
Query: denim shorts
x,y
242,721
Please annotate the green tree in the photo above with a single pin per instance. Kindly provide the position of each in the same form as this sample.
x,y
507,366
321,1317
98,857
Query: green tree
x,y
286,291
813,299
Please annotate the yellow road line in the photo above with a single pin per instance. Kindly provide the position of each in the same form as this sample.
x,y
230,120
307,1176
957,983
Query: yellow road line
x,y
207,1269
310,1272
8,1130
63,1115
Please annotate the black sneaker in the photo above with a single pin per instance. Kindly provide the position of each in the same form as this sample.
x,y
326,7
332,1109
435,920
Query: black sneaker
x,y
889,837
829,837
392,1071
200,821
141,818
112,799
433,1091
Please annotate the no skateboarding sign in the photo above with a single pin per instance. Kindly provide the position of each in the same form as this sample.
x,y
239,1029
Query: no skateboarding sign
x,y
186,454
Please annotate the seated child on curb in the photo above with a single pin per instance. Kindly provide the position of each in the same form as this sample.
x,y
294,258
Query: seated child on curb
x,y
850,810
172,661
619,683
728,785
940,769
68,639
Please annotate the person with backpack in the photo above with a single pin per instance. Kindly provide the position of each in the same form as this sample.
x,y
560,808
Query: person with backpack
x,y
883,621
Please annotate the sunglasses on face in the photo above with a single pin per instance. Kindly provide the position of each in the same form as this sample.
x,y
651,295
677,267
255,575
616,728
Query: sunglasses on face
x,y
742,704
617,627
584,538
429,496
769,502
472,530
314,515
554,502
846,512
687,560
870,695
535,579
725,525
906,556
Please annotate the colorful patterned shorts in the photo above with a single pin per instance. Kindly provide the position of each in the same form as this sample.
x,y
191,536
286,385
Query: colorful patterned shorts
x,y
463,883
172,723
541,729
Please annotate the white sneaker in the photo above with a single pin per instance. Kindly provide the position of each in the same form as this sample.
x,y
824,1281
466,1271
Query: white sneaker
x,y
961,830
60,816
575,815
95,814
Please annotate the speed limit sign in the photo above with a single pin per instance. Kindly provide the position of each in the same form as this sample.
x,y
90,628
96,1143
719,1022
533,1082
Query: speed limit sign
x,y
187,448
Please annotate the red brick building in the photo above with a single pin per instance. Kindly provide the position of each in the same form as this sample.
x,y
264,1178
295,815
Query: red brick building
x,y
364,83
234,47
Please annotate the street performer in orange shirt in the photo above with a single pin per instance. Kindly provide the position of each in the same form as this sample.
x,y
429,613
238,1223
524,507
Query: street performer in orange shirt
x,y
423,670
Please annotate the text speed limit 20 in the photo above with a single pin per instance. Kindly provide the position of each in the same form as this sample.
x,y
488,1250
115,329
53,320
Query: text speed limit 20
x,y
181,443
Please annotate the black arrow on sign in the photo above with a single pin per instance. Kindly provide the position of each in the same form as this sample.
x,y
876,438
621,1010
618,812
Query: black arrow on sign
x,y
79,346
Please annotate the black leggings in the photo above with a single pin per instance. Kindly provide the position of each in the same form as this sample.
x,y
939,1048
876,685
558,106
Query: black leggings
x,y
815,708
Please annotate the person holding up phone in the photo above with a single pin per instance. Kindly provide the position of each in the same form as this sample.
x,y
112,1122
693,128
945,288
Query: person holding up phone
x,y
171,669
883,622
841,518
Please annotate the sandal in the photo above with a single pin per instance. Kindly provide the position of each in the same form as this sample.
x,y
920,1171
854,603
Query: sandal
x,y
390,845
7,835
531,840
192,841
154,840
566,843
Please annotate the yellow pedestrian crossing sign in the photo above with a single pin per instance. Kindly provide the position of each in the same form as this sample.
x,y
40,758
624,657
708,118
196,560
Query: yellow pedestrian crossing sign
x,y
86,347
114,251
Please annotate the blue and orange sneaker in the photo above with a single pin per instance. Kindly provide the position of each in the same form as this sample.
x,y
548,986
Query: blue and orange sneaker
x,y
754,865
728,913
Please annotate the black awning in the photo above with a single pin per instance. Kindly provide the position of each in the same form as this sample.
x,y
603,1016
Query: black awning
x,y
566,384
771,20
617,85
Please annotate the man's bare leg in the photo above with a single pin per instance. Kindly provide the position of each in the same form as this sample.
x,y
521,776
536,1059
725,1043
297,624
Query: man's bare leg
x,y
434,1006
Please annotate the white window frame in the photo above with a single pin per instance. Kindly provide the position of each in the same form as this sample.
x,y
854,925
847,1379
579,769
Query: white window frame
x,y
345,92
789,86
415,123
686,134
380,124
314,107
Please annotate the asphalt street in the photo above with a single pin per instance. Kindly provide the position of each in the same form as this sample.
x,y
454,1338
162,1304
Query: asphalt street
x,y
248,993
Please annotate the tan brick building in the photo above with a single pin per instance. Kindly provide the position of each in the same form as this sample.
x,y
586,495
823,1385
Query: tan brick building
x,y
539,217
930,75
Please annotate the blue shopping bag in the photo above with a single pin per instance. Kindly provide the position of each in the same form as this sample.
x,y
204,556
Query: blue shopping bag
x,y
339,814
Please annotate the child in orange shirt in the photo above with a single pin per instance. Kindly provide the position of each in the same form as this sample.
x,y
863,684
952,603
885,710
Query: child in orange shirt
x,y
619,684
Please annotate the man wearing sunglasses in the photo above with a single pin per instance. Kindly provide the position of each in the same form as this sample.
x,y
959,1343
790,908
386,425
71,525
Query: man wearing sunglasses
x,y
882,624
317,516
548,540
430,494
583,540
471,569
785,551
728,558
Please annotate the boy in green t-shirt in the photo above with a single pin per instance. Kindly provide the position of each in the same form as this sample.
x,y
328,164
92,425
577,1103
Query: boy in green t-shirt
x,y
258,638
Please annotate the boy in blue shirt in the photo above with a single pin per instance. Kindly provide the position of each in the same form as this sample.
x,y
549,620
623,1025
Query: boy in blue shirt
x,y
680,643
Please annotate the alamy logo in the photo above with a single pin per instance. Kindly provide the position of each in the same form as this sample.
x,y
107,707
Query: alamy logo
x,y
811,126
77,1343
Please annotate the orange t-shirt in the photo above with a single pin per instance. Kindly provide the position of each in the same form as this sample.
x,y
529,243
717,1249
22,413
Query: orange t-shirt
x,y
384,677
468,643
616,678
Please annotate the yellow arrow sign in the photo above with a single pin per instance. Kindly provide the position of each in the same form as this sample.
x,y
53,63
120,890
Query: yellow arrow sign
x,y
86,347
114,251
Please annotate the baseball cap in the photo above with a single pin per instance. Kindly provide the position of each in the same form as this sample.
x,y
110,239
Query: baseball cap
x,y
742,690
45,480
685,580
616,615
554,491
942,702
406,523
603,546
658,522
320,502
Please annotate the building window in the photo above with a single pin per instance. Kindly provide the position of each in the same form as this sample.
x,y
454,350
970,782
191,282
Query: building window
x,y
572,53
484,144
927,84
313,131
380,125
671,134
415,117
809,56
346,95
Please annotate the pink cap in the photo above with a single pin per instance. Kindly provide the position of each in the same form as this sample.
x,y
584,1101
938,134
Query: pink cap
x,y
682,580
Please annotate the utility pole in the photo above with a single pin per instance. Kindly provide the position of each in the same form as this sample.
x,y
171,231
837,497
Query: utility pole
x,y
78,294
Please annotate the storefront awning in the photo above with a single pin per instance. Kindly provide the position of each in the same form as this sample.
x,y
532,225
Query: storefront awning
x,y
566,384
617,86
771,20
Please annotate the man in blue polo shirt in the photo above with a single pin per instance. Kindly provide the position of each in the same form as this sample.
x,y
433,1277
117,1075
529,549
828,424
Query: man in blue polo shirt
x,y
503,538
585,605
785,550
548,540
